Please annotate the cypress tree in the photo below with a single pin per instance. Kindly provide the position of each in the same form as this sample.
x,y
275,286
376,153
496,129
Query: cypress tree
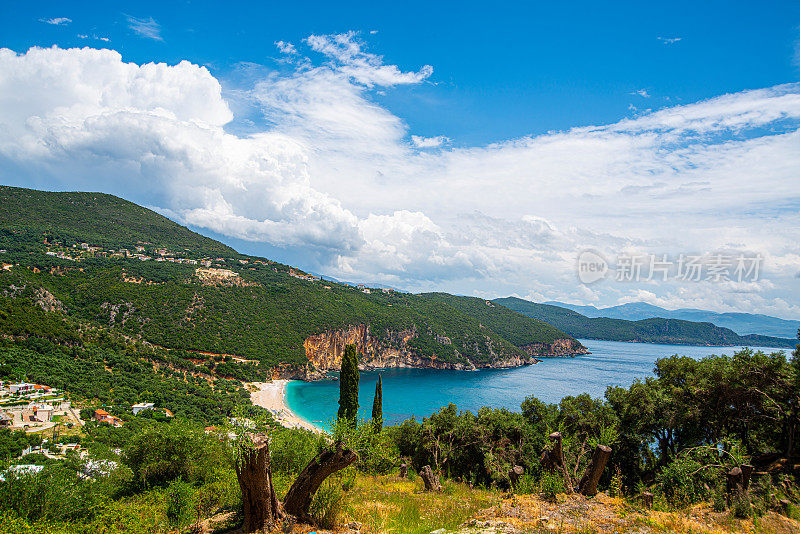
x,y
348,385
377,405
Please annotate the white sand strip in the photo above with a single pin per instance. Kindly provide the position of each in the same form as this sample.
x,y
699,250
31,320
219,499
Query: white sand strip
x,y
272,396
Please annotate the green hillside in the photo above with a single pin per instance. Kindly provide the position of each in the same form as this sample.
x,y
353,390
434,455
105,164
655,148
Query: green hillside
x,y
96,218
656,330
259,312
513,326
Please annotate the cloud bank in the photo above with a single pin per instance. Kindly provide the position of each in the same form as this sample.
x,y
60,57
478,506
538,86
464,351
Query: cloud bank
x,y
333,174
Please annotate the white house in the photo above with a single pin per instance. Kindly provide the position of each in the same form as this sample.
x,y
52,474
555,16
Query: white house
x,y
22,387
142,406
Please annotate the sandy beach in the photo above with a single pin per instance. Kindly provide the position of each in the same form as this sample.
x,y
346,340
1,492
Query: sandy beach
x,y
271,395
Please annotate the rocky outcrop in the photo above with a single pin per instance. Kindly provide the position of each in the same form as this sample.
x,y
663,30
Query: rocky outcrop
x,y
46,301
118,312
324,351
558,348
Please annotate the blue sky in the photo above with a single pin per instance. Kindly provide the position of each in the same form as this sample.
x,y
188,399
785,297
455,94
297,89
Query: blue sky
x,y
464,147
501,71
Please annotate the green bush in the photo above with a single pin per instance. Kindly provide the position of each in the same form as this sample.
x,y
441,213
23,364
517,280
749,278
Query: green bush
x,y
687,481
615,486
292,449
162,453
223,489
526,485
551,484
327,504
56,494
376,450
180,503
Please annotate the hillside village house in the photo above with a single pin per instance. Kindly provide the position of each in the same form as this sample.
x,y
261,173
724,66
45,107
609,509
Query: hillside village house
x,y
37,413
21,388
103,416
142,406
44,412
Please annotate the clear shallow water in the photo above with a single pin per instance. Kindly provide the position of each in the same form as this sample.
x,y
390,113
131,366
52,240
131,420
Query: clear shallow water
x,y
420,392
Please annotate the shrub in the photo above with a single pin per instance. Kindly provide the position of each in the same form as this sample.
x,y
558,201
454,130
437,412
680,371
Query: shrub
x,y
615,486
376,450
162,453
741,508
56,493
327,504
686,481
180,502
551,484
223,489
291,450
526,485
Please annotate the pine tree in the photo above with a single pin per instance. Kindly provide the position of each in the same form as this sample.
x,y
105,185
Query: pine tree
x,y
377,406
348,385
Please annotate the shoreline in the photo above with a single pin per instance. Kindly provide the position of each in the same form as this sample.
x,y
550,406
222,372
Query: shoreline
x,y
272,396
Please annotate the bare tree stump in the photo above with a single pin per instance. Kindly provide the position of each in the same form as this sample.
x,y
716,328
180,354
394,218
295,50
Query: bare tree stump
x,y
553,460
298,498
747,472
737,483
403,470
253,471
514,475
647,500
430,479
588,484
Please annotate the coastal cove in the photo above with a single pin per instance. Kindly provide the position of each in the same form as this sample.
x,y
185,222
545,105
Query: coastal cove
x,y
420,392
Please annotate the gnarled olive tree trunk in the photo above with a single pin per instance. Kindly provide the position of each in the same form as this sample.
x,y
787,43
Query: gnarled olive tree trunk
x,y
298,498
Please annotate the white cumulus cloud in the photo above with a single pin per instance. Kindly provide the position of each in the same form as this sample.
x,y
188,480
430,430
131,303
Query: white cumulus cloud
x,y
429,142
331,173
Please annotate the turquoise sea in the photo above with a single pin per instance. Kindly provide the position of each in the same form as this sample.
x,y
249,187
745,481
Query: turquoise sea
x,y
420,392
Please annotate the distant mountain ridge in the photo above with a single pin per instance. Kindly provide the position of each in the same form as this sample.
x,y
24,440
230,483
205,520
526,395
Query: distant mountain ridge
x,y
741,323
651,330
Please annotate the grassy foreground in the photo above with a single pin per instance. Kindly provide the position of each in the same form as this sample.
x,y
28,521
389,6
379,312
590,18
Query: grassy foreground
x,y
390,504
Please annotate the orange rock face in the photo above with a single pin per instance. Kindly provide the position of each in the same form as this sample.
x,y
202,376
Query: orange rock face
x,y
324,351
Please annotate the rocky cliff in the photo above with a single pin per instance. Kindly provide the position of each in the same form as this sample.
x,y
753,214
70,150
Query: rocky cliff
x,y
324,351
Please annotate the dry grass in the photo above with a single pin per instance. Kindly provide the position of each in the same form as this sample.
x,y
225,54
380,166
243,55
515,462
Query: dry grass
x,y
388,504
607,515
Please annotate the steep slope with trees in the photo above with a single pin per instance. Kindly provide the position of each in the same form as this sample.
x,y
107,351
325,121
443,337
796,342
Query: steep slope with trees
x,y
108,262
96,218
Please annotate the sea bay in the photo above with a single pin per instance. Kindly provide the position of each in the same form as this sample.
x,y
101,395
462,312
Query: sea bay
x,y
420,392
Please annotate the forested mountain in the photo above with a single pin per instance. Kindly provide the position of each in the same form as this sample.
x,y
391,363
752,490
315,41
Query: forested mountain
x,y
156,281
28,215
510,324
741,323
655,330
